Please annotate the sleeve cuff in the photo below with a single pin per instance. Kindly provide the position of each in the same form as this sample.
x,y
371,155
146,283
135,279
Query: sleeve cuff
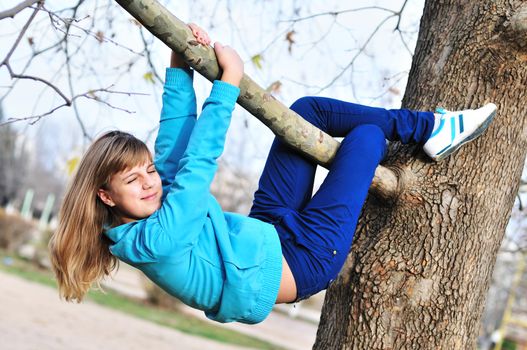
x,y
178,76
224,91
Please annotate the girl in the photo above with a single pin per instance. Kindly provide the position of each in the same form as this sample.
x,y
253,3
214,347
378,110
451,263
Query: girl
x,y
159,216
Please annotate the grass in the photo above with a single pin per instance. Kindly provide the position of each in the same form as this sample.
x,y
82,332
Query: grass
x,y
171,319
509,345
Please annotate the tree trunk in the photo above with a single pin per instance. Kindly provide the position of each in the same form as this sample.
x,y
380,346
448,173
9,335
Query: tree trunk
x,y
419,270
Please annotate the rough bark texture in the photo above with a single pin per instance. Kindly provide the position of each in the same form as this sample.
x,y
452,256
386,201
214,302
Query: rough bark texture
x,y
420,268
285,123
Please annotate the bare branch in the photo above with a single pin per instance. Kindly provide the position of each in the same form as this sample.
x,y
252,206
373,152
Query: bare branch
x,y
68,69
361,50
71,22
399,14
396,79
22,32
398,29
89,95
14,75
21,76
337,13
404,42
63,25
92,96
149,57
15,10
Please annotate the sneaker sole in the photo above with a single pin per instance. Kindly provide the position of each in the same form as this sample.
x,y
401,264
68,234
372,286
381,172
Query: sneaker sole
x,y
473,136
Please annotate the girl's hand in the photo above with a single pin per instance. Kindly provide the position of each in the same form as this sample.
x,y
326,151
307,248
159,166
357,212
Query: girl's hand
x,y
201,36
230,62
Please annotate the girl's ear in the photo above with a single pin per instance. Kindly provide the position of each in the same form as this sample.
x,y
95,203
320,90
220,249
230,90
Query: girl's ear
x,y
105,197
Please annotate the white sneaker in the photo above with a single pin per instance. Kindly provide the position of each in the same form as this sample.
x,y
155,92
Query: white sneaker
x,y
457,128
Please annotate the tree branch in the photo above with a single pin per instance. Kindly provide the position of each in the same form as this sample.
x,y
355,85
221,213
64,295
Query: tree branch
x,y
337,13
15,10
20,36
21,76
14,75
91,94
286,124
64,25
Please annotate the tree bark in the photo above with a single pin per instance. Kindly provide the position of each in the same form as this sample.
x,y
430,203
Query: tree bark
x,y
285,124
420,268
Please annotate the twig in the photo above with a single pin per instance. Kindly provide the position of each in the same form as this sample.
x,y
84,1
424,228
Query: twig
x,y
14,75
89,95
361,50
15,10
149,57
337,13
68,70
398,29
399,14
71,22
22,32
20,76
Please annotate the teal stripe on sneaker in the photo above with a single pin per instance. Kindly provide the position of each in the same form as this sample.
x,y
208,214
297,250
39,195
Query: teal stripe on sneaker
x,y
453,134
444,149
441,124
453,128
461,123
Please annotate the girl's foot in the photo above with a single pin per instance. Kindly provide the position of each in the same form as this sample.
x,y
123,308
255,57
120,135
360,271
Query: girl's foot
x,y
457,128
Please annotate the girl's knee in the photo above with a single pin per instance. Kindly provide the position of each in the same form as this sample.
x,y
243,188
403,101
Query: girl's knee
x,y
302,104
368,136
308,108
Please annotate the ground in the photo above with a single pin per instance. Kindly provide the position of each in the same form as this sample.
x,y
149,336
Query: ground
x,y
33,317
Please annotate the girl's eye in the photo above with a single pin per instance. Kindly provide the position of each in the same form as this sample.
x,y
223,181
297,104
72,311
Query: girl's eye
x,y
131,180
153,170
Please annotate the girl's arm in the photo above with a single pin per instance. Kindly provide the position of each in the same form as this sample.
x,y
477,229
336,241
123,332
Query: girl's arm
x,y
185,209
178,115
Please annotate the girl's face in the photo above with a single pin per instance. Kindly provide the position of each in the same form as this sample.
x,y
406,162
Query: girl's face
x,y
134,193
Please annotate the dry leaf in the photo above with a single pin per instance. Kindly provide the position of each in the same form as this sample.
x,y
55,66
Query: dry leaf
x,y
274,87
99,36
290,40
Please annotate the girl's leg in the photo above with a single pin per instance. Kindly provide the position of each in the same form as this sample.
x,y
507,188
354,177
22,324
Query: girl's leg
x,y
287,179
318,238
338,118
285,185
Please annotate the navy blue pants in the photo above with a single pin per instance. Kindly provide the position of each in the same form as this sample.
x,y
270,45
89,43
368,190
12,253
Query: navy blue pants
x,y
316,232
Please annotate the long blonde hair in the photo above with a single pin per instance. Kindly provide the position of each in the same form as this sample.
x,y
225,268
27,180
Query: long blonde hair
x,y
79,250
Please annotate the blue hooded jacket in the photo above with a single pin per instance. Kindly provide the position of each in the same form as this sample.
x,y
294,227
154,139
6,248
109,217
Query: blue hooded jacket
x,y
225,264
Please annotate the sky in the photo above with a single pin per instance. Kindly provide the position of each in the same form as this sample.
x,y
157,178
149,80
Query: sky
x,y
323,46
